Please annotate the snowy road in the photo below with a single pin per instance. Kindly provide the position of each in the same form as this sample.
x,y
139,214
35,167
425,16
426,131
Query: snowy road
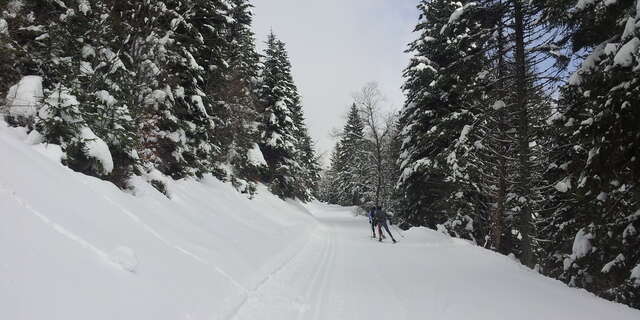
x,y
342,273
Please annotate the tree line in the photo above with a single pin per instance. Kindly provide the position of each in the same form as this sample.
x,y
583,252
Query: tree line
x,y
520,132
131,87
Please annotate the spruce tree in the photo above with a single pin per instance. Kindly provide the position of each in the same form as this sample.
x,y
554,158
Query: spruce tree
x,y
595,173
71,48
353,160
440,87
278,129
239,95
329,190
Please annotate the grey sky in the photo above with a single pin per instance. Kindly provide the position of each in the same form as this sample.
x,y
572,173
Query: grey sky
x,y
336,47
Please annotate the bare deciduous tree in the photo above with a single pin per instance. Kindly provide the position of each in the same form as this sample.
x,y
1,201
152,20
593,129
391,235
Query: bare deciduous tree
x,y
369,100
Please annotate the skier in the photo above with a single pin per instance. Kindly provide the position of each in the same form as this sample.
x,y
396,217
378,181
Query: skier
x,y
381,218
372,221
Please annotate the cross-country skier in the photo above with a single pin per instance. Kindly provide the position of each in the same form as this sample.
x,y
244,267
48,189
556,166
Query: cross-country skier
x,y
372,221
381,218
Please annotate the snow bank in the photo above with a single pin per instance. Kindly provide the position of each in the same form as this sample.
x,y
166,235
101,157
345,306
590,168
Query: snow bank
x,y
76,247
24,99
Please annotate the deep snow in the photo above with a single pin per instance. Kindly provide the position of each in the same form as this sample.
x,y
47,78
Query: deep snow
x,y
74,247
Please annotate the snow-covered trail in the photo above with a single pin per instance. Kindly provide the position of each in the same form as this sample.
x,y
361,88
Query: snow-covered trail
x,y
341,273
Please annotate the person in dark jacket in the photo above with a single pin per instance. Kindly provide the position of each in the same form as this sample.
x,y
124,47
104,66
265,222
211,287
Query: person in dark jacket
x,y
381,219
372,221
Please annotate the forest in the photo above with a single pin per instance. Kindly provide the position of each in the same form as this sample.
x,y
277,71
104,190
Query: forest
x,y
176,87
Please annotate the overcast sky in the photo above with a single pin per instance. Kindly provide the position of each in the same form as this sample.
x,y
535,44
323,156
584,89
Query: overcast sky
x,y
336,47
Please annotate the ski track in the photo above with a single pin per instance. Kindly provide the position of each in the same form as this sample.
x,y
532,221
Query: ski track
x,y
60,229
318,288
251,297
312,265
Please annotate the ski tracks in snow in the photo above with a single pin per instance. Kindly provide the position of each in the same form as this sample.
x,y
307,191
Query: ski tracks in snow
x,y
316,294
298,289
59,228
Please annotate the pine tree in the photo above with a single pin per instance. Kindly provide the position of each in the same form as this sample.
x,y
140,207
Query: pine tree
x,y
392,201
75,60
152,80
238,96
103,103
440,86
596,170
329,190
195,63
279,140
352,162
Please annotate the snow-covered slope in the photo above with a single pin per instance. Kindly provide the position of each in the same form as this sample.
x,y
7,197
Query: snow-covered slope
x,y
74,247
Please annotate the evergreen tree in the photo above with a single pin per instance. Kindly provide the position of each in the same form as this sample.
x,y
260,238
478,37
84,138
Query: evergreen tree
x,y
329,190
595,203
392,200
440,87
279,140
352,157
194,66
71,48
238,95
159,82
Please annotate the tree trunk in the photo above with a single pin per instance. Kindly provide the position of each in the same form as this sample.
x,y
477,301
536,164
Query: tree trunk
x,y
497,217
526,227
